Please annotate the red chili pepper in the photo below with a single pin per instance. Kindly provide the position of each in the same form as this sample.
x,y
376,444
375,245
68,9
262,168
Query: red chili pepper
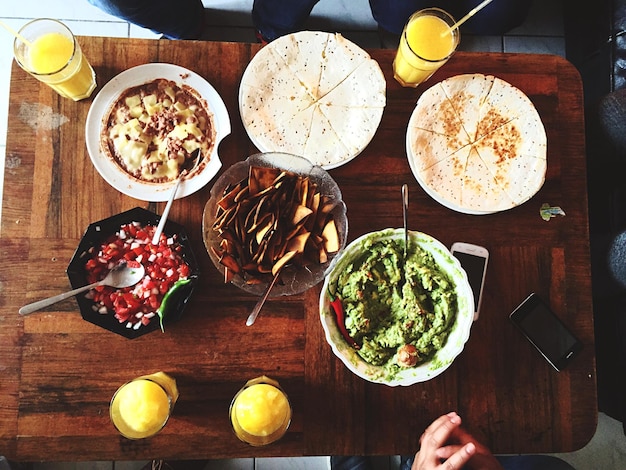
x,y
337,306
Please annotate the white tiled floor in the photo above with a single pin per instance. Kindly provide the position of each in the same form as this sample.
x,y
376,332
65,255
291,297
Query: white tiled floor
x,y
230,19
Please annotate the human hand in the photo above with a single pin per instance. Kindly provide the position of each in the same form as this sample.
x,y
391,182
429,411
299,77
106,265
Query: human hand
x,y
445,445
433,446
483,459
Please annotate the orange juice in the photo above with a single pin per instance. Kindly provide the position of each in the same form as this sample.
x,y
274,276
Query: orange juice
x,y
260,413
426,44
141,407
53,56
50,53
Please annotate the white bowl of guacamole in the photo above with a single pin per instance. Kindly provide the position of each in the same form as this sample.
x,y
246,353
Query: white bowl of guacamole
x,y
404,322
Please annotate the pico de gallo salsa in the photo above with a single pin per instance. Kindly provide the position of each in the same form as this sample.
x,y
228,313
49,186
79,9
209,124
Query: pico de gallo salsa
x,y
136,305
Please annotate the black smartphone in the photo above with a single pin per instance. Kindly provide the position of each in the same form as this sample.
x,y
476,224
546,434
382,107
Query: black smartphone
x,y
473,259
556,343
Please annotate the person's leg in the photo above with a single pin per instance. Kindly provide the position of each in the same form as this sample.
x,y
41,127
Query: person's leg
x,y
533,462
406,462
392,15
350,462
175,19
496,19
274,18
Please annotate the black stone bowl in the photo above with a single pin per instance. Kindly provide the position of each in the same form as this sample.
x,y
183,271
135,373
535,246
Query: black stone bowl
x,y
95,234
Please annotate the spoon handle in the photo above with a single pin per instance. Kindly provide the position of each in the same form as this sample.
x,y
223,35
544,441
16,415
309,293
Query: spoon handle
x,y
30,308
405,209
259,305
166,211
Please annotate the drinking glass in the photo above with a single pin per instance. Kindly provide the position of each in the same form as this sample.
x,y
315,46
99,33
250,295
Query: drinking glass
x,y
140,408
47,49
260,413
426,43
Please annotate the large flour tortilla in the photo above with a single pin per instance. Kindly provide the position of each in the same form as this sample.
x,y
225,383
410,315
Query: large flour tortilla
x,y
477,144
312,94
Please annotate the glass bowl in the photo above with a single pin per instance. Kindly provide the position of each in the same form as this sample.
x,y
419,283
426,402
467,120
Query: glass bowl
x,y
294,279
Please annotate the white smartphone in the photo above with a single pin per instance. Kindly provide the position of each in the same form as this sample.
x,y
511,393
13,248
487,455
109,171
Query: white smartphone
x,y
473,259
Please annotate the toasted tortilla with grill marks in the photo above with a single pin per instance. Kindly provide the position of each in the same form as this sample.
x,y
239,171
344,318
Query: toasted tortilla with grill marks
x,y
478,143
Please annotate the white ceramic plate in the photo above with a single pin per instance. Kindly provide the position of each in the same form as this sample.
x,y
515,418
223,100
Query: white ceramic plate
x,y
279,89
111,171
458,336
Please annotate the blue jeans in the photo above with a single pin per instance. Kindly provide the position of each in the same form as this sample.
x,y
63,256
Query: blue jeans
x,y
274,18
516,462
174,19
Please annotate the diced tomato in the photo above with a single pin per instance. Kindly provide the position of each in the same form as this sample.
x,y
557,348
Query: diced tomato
x,y
163,264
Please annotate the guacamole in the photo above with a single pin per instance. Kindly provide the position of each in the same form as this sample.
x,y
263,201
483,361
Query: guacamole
x,y
400,318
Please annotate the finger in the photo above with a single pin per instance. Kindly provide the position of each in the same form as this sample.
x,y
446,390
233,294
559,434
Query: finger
x,y
440,430
448,451
461,436
452,416
460,457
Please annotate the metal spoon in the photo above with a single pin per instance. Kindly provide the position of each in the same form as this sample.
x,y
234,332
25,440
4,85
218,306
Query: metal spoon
x,y
189,168
121,275
259,305
405,209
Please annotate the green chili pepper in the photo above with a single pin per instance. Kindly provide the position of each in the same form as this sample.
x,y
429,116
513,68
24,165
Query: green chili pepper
x,y
165,303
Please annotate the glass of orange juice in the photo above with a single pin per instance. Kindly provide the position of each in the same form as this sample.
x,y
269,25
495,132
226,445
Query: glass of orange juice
x,y
48,50
140,408
426,43
260,413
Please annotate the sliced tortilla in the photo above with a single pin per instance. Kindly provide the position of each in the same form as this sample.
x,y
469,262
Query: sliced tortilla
x,y
497,129
323,146
434,112
354,126
293,135
505,152
503,103
480,191
341,59
467,93
303,54
268,118
301,74
361,89
445,177
429,148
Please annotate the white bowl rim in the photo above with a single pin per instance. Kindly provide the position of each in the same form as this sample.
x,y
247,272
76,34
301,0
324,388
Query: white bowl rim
x,y
442,359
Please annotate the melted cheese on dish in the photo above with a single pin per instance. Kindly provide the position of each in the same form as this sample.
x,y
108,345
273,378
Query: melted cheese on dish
x,y
153,129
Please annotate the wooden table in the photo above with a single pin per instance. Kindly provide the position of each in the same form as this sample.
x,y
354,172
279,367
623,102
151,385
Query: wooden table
x,y
59,372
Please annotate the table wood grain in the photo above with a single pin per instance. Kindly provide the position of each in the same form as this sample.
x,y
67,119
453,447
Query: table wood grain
x,y
59,372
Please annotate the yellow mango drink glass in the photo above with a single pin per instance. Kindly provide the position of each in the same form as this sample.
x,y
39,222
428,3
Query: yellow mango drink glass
x,y
140,408
260,413
47,49
426,43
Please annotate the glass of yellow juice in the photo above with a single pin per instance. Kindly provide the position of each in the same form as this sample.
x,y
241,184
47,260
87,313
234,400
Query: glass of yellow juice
x,y
48,50
260,413
140,408
426,43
